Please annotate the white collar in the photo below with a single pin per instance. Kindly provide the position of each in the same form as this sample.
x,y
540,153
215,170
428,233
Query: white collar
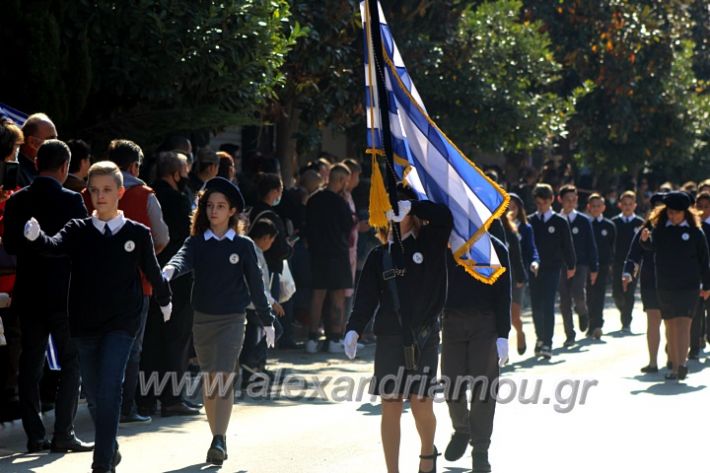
x,y
547,215
599,218
229,235
707,220
115,224
684,223
570,216
627,219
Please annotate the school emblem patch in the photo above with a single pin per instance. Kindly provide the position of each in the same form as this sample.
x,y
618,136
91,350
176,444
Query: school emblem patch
x,y
575,230
418,258
234,258
685,237
551,229
129,246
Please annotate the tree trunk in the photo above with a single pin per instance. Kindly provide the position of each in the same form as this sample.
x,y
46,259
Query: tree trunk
x,y
286,127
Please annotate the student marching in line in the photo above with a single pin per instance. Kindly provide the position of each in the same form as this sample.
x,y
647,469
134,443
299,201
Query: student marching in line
x,y
226,279
700,329
682,266
531,264
627,224
574,289
640,258
518,274
403,285
553,238
604,236
107,252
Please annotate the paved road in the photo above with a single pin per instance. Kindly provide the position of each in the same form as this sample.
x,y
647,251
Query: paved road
x,y
628,421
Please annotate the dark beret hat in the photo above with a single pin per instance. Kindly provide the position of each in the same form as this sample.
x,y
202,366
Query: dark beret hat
x,y
657,198
229,189
677,200
405,192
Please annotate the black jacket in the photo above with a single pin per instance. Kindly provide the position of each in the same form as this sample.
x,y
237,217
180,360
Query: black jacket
x,y
422,290
470,296
554,242
27,171
585,248
605,237
177,209
42,281
280,249
625,232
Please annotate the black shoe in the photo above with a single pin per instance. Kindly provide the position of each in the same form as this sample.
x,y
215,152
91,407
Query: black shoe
x,y
217,452
682,372
147,411
522,345
72,444
116,459
38,446
649,369
671,376
194,405
289,345
669,365
583,323
178,409
480,462
626,329
538,347
569,342
693,353
430,457
101,470
135,418
457,446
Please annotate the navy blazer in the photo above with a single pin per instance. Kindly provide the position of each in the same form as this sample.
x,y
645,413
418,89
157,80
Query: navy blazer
x,y
42,281
527,244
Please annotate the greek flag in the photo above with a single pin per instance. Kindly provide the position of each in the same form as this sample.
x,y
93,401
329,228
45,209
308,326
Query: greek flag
x,y
14,115
426,159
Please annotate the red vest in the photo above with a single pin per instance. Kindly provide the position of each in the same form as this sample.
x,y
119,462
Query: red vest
x,y
134,204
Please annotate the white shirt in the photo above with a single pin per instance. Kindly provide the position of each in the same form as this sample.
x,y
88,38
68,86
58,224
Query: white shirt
x,y
570,216
599,218
627,219
547,215
115,224
229,235
684,223
707,220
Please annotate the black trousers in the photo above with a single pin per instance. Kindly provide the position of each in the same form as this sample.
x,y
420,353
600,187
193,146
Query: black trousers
x,y
624,300
35,332
596,295
167,346
700,328
469,351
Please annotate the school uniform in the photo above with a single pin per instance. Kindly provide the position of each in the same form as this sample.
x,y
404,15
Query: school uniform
x,y
475,316
640,265
604,237
575,288
226,278
553,239
626,228
105,303
700,328
421,292
682,265
529,254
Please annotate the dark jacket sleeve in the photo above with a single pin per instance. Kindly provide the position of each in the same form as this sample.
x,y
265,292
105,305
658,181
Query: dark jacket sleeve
x,y
151,269
503,299
61,244
519,275
497,229
280,249
568,254
612,248
634,256
439,217
648,245
592,248
255,282
13,236
527,244
367,293
79,209
703,259
184,260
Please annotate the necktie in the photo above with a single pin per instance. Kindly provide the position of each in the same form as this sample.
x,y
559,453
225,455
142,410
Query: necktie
x,y
107,230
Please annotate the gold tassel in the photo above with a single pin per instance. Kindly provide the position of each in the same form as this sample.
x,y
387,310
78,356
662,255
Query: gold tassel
x,y
379,199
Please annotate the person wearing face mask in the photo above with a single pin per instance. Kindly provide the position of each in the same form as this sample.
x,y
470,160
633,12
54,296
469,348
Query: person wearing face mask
x,y
167,345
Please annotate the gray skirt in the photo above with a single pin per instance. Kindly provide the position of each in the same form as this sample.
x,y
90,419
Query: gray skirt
x,y
218,340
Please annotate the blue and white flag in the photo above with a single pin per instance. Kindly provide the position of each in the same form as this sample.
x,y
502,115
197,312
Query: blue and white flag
x,y
427,160
14,115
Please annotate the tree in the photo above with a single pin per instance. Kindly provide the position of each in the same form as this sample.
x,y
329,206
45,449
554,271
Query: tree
x,y
104,68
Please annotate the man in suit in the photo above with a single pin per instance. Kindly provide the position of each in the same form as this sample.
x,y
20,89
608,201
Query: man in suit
x,y
40,298
78,166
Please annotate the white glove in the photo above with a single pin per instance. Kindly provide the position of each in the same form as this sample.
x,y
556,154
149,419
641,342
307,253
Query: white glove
x,y
168,272
5,300
270,334
502,347
3,342
32,229
403,208
167,311
534,266
350,344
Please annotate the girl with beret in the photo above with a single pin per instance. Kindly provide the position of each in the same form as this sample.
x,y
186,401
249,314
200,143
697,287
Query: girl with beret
x,y
680,253
227,279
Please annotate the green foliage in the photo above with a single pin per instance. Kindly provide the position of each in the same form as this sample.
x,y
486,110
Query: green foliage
x,y
106,68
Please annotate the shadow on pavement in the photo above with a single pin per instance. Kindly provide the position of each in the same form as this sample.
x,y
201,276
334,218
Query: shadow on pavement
x,y
669,389
198,467
28,461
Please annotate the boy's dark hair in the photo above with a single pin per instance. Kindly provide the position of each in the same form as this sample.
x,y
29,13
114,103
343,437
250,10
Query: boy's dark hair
x,y
263,227
52,155
124,153
266,182
566,189
543,191
705,195
596,196
80,150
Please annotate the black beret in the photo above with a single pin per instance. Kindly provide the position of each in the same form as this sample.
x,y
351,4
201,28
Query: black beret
x,y
657,198
677,200
405,192
229,189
